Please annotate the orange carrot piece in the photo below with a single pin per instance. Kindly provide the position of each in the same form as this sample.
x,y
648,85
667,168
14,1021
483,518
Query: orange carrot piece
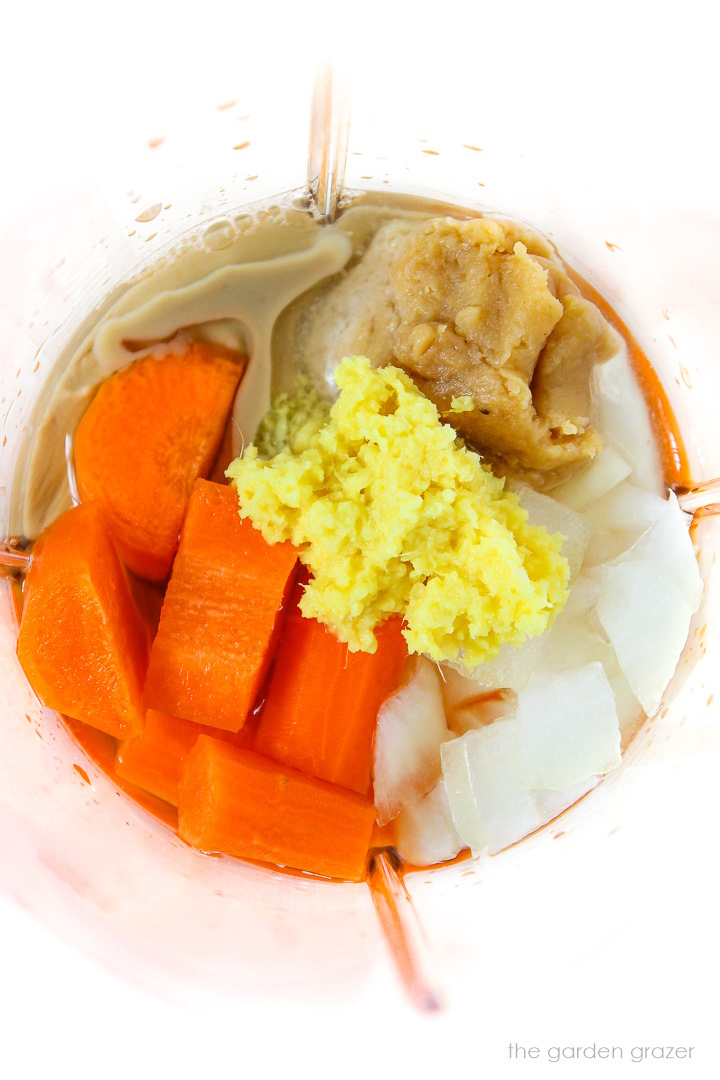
x,y
240,803
150,431
323,700
222,610
82,642
153,760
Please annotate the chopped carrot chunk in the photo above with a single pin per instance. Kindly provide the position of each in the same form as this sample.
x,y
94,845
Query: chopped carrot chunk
x,y
153,760
82,642
239,803
223,608
323,700
150,431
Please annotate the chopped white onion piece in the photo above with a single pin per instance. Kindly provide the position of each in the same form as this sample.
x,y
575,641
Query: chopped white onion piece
x,y
557,518
620,412
552,803
647,598
425,832
620,518
647,619
410,728
607,469
568,728
668,543
575,638
489,807
630,712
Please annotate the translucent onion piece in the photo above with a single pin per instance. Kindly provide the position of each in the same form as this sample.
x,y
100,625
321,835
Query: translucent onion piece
x,y
410,729
647,619
620,518
594,481
490,808
552,803
425,832
568,728
620,413
668,543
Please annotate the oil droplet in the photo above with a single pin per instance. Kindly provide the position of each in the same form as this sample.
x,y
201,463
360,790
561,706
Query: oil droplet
x,y
242,145
219,235
611,247
469,146
151,212
226,105
686,376
158,140
432,153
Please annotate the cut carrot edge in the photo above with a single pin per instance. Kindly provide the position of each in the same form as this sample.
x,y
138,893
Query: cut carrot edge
x,y
225,602
154,759
82,642
322,704
239,803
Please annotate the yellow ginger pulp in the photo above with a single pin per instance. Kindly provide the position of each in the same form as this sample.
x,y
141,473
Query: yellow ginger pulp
x,y
392,514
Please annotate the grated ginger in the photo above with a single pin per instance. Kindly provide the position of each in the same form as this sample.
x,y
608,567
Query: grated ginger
x,y
393,515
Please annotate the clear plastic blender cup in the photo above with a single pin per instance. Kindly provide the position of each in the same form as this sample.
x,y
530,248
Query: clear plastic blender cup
x,y
114,880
